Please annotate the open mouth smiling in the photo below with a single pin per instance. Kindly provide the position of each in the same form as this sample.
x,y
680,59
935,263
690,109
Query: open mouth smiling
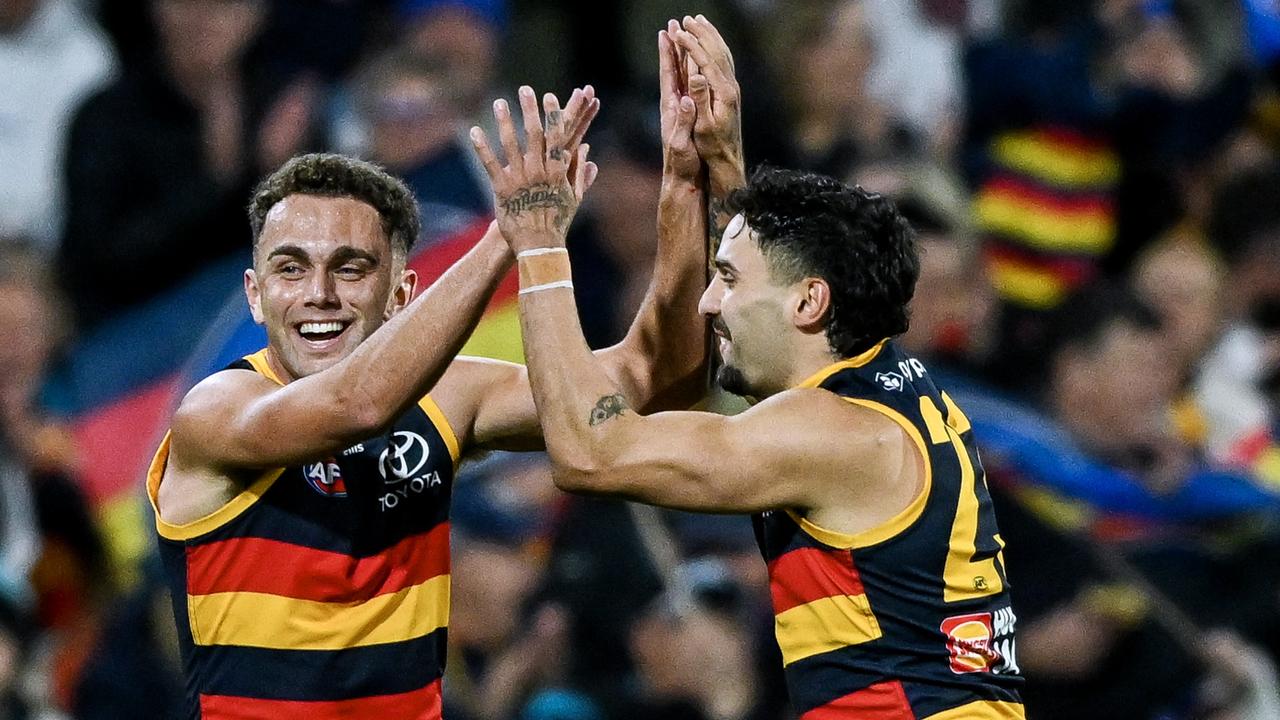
x,y
323,334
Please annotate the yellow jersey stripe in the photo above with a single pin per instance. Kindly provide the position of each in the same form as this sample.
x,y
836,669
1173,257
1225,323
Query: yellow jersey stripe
x,y
982,710
443,427
823,625
214,520
260,620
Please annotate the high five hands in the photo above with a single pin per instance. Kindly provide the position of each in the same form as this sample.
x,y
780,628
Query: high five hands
x,y
538,190
717,129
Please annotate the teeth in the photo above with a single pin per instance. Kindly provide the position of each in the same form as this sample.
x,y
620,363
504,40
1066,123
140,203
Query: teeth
x,y
316,328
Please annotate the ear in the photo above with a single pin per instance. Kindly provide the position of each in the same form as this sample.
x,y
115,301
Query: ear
x,y
813,304
252,294
401,294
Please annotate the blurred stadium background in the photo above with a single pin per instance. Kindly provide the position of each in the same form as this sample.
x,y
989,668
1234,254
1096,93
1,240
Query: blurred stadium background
x,y
1096,184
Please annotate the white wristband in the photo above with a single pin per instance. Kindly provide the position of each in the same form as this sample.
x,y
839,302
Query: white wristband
x,y
540,251
547,286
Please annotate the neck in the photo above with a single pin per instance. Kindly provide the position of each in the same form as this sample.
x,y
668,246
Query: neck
x,y
808,362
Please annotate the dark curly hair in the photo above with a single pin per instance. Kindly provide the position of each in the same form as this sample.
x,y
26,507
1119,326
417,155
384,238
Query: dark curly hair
x,y
809,225
331,175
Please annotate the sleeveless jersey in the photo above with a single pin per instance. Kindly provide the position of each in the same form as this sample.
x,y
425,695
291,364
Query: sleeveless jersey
x,y
910,619
322,590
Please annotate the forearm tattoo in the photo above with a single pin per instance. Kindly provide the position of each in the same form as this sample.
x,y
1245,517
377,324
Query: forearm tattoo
x,y
607,407
541,196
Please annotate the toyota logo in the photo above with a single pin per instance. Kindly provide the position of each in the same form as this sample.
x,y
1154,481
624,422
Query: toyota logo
x,y
404,457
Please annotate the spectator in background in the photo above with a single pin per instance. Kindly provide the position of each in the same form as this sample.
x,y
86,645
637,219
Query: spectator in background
x,y
953,310
915,68
415,130
161,163
509,641
1238,386
1110,384
1092,642
460,37
1079,120
695,653
1183,280
51,57
53,566
828,49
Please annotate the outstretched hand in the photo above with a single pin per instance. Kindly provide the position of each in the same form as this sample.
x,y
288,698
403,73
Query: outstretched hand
x,y
679,153
718,128
538,190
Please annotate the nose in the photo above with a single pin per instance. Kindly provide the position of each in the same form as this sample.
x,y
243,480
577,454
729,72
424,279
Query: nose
x,y
322,290
709,304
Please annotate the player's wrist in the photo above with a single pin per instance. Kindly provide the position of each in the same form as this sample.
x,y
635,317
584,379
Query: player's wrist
x,y
676,185
725,174
543,266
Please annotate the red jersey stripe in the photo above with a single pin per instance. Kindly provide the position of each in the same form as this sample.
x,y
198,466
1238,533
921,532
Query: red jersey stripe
x,y
882,701
273,567
421,704
807,574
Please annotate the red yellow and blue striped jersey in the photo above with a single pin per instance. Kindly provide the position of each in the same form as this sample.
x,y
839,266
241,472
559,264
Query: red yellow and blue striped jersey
x,y
321,591
911,619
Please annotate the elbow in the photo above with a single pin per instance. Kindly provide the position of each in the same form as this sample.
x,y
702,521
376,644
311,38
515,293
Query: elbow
x,y
357,414
579,472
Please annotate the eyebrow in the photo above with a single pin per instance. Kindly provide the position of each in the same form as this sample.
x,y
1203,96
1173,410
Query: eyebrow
x,y
347,253
724,266
341,255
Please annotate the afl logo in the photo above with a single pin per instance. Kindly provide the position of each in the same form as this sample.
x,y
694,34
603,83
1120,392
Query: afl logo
x,y
326,478
404,457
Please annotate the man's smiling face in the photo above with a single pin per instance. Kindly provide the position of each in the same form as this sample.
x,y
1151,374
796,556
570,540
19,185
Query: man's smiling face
x,y
324,278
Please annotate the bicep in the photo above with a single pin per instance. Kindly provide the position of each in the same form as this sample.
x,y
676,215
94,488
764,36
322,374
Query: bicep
x,y
239,419
490,405
704,462
493,400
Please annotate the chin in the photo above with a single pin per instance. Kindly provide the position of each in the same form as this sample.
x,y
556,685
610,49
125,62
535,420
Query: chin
x,y
733,381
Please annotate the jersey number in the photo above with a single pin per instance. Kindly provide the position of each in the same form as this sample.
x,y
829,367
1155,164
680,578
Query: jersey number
x,y
965,577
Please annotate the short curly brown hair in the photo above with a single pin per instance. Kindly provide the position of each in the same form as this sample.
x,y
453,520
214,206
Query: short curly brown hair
x,y
332,175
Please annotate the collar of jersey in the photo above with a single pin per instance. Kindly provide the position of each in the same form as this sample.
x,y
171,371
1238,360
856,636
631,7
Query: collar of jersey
x,y
856,361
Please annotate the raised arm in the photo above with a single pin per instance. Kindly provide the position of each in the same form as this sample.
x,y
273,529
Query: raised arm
x,y
661,362
717,131
805,449
242,420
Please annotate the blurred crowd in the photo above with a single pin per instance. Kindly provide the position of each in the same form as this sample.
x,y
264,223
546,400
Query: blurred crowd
x,y
1096,187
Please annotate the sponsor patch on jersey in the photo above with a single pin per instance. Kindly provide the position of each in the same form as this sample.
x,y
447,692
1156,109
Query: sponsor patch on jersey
x,y
969,641
325,477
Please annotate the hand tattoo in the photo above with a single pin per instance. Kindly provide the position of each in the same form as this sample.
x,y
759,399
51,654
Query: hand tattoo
x,y
542,195
607,407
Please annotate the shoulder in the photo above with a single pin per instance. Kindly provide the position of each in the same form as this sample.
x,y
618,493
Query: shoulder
x,y
822,428
214,398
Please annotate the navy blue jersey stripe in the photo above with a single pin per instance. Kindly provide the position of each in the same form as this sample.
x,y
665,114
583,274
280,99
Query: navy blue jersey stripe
x,y
323,675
